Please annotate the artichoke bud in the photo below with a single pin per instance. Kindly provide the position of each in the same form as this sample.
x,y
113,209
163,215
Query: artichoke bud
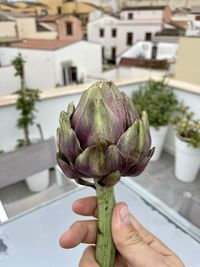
x,y
103,137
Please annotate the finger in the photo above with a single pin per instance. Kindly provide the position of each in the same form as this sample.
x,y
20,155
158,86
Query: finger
x,y
128,240
88,258
150,239
79,232
85,206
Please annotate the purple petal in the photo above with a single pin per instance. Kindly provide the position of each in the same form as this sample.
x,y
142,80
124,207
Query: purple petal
x,y
92,161
114,159
139,167
130,110
128,144
69,145
100,160
66,168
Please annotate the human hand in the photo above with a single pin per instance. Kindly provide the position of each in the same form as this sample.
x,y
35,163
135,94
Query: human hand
x,y
136,247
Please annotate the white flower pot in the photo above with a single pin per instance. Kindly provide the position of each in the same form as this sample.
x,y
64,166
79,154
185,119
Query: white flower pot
x,y
187,161
157,140
38,182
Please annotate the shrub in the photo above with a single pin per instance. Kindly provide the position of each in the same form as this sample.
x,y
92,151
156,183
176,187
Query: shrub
x,y
187,127
158,100
26,102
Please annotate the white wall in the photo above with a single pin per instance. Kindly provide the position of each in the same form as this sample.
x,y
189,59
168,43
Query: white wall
x,y
142,14
84,55
171,3
43,68
26,27
7,29
122,72
9,83
107,23
139,48
39,66
142,48
94,15
166,51
49,110
47,115
138,29
143,21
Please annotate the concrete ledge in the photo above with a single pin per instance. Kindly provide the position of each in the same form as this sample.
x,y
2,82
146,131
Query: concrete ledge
x,y
77,89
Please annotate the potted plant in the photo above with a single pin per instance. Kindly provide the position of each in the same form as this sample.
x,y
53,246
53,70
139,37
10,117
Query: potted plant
x,y
26,101
159,101
28,161
187,145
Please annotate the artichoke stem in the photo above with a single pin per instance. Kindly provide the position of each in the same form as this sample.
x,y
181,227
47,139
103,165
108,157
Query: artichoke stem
x,y
105,248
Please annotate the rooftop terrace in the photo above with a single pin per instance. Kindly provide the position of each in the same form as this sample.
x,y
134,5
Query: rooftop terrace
x,y
158,180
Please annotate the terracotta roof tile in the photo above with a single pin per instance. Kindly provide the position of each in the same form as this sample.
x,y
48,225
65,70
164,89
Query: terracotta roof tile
x,y
41,44
54,18
50,18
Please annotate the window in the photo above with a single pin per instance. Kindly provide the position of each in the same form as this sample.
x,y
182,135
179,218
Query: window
x,y
103,53
154,52
114,32
113,53
129,38
44,12
148,36
101,32
69,74
59,10
68,28
130,16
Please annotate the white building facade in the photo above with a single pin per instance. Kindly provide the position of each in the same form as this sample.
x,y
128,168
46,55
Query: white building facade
x,y
140,24
146,50
104,31
9,83
45,68
172,3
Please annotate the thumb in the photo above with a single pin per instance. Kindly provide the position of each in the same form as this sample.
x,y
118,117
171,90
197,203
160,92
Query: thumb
x,y
128,241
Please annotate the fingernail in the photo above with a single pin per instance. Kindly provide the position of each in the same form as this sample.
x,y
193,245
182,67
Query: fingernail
x,y
124,215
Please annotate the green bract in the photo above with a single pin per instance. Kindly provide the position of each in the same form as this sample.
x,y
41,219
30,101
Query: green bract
x,y
104,137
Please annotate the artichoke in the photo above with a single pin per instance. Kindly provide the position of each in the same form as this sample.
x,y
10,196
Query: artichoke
x,y
104,137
